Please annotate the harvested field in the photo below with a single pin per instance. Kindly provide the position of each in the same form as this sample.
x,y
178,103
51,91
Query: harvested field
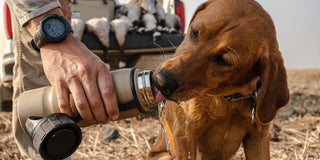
x,y
294,134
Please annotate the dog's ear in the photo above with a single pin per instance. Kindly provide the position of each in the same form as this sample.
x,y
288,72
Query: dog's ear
x,y
274,93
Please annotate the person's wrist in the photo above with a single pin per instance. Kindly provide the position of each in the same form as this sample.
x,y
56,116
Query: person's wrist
x,y
70,40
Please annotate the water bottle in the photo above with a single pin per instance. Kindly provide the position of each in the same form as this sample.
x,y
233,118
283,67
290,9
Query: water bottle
x,y
56,135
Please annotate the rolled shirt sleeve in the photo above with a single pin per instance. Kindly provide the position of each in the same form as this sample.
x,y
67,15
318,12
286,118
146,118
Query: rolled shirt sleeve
x,y
26,10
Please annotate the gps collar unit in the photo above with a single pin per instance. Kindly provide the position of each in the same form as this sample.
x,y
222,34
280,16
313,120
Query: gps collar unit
x,y
52,29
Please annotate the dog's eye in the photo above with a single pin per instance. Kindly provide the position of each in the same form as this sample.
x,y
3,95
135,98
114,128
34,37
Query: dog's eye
x,y
220,60
194,33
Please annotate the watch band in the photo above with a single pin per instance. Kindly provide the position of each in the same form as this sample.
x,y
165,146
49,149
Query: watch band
x,y
41,37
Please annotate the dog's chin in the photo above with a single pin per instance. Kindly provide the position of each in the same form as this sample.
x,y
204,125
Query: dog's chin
x,y
160,95
181,95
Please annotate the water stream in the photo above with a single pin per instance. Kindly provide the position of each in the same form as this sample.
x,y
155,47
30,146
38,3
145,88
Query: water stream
x,y
162,118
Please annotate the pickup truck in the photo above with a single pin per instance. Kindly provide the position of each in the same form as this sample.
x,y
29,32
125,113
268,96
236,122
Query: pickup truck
x,y
135,45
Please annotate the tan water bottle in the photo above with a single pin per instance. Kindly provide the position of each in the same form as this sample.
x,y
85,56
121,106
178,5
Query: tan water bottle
x,y
56,135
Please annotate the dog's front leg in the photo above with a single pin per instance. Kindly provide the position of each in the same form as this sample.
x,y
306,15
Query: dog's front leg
x,y
256,143
159,150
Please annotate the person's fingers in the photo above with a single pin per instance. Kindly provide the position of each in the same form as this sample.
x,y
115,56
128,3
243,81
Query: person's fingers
x,y
108,93
93,96
63,99
80,100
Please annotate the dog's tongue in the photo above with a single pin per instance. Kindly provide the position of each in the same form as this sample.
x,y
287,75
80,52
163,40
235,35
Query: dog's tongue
x,y
158,97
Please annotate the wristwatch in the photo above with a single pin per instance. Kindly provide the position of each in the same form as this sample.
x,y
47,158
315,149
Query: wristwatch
x,y
52,29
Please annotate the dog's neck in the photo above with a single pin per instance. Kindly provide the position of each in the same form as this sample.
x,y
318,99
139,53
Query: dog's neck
x,y
219,106
252,88
253,97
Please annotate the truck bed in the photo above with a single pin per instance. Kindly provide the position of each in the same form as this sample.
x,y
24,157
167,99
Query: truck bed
x,y
136,44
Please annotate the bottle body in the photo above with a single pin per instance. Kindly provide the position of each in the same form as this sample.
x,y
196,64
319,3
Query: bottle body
x,y
132,86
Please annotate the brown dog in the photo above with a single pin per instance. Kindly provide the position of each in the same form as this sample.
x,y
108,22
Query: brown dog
x,y
229,77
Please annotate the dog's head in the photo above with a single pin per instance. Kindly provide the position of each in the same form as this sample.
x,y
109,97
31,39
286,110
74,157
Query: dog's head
x,y
229,46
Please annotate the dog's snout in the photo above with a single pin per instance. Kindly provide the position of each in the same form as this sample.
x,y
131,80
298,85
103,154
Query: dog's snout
x,y
166,82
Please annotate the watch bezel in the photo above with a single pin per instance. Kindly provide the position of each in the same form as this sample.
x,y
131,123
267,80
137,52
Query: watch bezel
x,y
54,39
41,37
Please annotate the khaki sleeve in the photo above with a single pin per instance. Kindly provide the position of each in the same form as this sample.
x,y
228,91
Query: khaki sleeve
x,y
25,10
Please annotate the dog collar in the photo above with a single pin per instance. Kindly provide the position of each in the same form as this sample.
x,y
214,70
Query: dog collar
x,y
237,97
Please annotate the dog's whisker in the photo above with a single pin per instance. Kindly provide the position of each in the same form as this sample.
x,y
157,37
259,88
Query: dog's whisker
x,y
162,51
197,92
232,50
172,45
235,54
164,57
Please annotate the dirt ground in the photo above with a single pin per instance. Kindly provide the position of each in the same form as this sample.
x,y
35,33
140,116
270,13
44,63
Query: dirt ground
x,y
294,134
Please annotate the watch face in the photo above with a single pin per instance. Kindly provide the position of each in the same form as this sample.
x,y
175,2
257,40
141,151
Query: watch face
x,y
54,28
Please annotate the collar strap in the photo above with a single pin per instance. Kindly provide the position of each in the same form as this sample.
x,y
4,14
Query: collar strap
x,y
237,97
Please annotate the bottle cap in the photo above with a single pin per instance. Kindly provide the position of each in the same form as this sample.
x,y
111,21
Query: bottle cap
x,y
55,136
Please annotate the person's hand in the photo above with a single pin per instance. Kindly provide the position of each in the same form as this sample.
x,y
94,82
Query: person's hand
x,y
71,68
66,8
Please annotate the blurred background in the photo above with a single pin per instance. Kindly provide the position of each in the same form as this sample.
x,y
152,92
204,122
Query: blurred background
x,y
298,29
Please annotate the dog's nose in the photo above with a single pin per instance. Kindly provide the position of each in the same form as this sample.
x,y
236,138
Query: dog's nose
x,y
166,82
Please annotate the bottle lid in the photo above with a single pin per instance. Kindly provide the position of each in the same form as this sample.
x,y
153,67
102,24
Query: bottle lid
x,y
55,136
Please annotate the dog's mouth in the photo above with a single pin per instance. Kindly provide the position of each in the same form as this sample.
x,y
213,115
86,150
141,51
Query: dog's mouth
x,y
158,96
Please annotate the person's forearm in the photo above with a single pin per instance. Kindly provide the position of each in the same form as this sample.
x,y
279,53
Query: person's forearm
x,y
25,10
65,11
34,23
